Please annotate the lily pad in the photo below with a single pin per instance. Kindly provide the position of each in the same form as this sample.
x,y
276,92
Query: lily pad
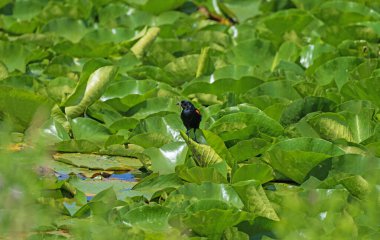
x,y
102,162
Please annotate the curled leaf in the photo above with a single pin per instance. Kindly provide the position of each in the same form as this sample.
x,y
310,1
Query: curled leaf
x,y
96,85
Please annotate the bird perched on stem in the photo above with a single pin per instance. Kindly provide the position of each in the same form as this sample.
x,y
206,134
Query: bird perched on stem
x,y
191,117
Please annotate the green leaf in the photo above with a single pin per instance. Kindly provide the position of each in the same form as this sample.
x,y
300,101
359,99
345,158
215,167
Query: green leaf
x,y
361,124
156,7
217,144
366,89
252,52
96,85
148,140
102,162
260,172
124,123
277,89
201,217
122,89
168,126
356,185
3,71
255,199
103,112
348,12
68,28
183,68
300,108
331,126
281,24
76,146
244,9
205,156
204,63
336,70
154,106
88,68
234,71
15,56
92,187
59,88
154,185
289,51
210,191
296,157
54,132
246,149
152,218
200,174
22,106
166,158
105,35
245,125
222,86
141,46
91,130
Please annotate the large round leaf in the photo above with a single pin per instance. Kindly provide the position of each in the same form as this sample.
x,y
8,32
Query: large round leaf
x,y
148,218
260,172
70,29
201,217
102,162
336,70
21,106
210,191
253,52
200,174
153,106
296,157
277,89
91,130
245,125
300,108
165,159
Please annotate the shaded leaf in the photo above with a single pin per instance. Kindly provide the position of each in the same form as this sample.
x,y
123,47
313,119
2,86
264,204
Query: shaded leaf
x,y
296,157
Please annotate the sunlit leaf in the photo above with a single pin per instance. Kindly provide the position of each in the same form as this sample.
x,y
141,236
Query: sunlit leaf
x,y
205,155
103,162
259,172
96,85
210,191
166,158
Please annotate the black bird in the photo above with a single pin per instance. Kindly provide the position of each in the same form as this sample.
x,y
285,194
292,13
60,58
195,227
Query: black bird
x,y
191,117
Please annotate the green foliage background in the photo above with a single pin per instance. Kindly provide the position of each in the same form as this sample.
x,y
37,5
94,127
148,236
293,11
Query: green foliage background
x,y
289,142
